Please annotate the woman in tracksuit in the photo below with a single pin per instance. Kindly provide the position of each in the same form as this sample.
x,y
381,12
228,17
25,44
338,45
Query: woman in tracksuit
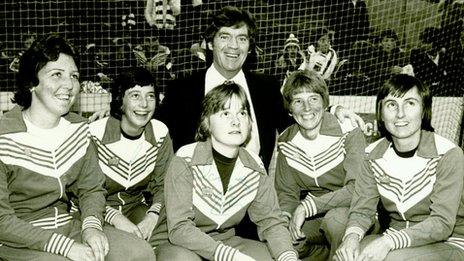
x,y
47,158
317,162
211,184
416,175
133,151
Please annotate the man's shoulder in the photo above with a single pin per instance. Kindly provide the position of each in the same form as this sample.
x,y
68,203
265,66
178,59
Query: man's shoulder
x,y
196,75
260,79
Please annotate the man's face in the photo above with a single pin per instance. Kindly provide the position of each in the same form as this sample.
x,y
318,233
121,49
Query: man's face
x,y
292,50
230,49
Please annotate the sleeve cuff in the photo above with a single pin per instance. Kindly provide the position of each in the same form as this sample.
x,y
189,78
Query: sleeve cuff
x,y
59,245
224,253
309,206
155,208
354,230
398,239
288,256
110,213
91,222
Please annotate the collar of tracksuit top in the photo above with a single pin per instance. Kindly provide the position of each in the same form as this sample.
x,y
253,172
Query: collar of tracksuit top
x,y
203,155
426,148
13,122
329,127
398,179
114,135
242,177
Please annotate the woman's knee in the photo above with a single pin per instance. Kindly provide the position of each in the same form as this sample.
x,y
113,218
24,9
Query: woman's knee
x,y
170,252
127,245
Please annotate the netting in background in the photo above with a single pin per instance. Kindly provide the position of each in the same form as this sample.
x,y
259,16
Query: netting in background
x,y
114,34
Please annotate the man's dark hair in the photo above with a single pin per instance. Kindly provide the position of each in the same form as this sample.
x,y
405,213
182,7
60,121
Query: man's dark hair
x,y
231,16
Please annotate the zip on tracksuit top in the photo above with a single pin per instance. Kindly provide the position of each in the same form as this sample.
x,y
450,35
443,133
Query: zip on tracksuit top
x,y
37,179
324,168
200,215
132,166
422,194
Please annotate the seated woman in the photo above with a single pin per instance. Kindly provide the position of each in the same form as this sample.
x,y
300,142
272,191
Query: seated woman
x,y
318,159
416,175
211,184
133,151
46,157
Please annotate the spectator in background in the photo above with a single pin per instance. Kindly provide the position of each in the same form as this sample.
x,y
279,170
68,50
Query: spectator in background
x,y
133,151
355,74
47,158
349,19
415,175
212,183
321,57
389,58
438,66
317,164
292,56
27,40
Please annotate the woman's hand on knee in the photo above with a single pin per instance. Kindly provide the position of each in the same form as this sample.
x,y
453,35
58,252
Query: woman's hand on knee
x,y
349,249
80,252
124,224
376,250
296,222
97,241
147,225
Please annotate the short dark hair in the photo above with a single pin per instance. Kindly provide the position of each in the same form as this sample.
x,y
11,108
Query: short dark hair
x,y
127,79
215,101
305,80
397,86
231,16
389,33
42,51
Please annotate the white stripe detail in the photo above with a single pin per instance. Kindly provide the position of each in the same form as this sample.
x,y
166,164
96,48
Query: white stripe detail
x,y
208,194
224,253
127,172
92,222
399,238
59,244
26,151
288,255
405,184
327,155
309,206
456,241
110,213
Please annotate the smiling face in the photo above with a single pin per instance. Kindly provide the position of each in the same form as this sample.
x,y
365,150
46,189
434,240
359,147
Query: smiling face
x,y
230,49
388,44
307,109
229,127
57,88
402,116
323,44
138,106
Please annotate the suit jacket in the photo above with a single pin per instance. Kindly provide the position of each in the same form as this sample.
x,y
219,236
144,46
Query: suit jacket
x,y
181,109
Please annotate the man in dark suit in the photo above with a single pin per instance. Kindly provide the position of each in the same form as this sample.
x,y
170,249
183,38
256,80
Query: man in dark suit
x,y
230,42
231,46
